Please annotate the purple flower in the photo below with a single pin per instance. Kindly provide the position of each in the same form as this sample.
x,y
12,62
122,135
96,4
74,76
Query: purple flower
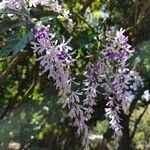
x,y
88,71
102,73
50,52
118,49
14,4
62,56
95,67
111,54
40,32
116,55
121,55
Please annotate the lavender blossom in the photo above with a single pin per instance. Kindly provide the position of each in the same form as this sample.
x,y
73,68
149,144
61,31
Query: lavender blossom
x,y
90,71
112,112
62,56
14,4
41,32
56,60
34,3
117,50
56,7
49,53
91,93
110,73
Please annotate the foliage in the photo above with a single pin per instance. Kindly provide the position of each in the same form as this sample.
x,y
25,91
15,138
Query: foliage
x,y
29,100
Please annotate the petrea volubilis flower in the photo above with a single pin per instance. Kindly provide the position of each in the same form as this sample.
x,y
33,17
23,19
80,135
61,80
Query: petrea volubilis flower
x,y
62,56
13,4
56,60
34,3
41,32
117,50
109,75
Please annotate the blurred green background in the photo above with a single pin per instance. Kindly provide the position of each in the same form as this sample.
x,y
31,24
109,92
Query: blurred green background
x,y
30,116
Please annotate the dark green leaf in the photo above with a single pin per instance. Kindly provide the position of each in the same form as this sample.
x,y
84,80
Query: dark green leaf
x,y
23,42
16,43
10,43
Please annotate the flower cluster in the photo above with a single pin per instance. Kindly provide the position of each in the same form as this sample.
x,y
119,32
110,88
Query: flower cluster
x,y
78,115
34,3
90,71
56,60
109,74
13,4
90,88
112,112
117,48
117,51
52,56
56,7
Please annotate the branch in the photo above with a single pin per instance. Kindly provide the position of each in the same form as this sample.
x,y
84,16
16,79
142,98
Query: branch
x,y
31,87
138,18
137,122
13,103
6,58
84,20
143,12
86,5
12,65
137,97
136,10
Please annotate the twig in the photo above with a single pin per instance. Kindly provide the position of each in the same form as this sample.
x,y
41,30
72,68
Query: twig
x,y
137,122
31,87
9,57
13,103
143,12
86,5
136,10
138,18
83,19
12,65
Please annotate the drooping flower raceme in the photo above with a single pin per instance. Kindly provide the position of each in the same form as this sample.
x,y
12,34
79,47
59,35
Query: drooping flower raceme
x,y
53,57
90,89
56,59
115,54
110,73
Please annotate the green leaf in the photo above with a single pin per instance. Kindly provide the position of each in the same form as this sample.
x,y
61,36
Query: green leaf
x,y
9,44
23,42
15,43
6,24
